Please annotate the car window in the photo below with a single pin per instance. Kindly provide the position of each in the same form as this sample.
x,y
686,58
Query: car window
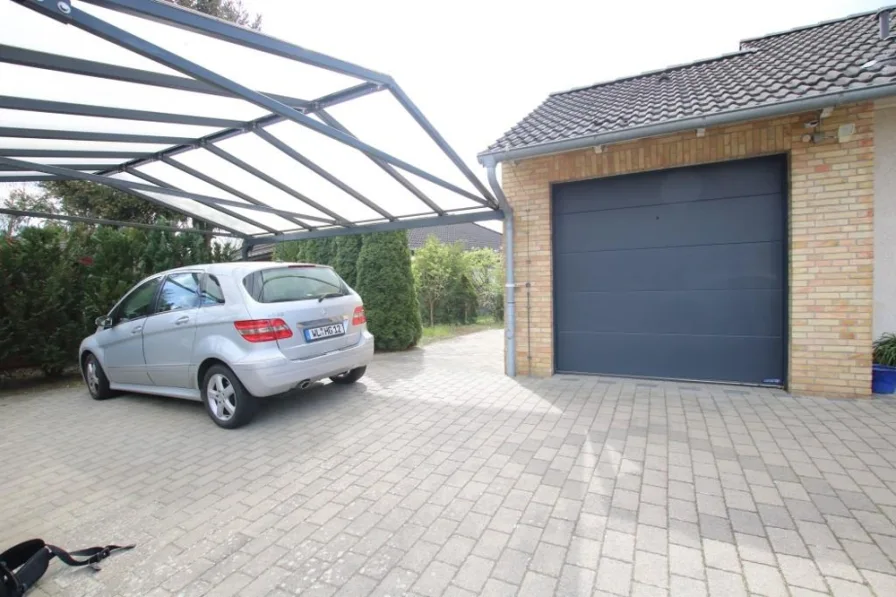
x,y
139,303
211,291
293,283
180,291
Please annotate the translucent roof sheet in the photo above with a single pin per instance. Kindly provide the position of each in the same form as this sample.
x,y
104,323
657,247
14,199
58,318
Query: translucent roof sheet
x,y
257,136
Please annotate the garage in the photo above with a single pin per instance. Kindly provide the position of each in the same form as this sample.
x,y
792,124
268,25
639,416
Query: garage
x,y
674,274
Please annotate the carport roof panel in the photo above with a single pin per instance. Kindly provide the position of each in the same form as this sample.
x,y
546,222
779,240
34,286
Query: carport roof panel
x,y
219,121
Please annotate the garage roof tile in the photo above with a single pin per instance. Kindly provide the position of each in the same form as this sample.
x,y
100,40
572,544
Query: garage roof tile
x,y
800,63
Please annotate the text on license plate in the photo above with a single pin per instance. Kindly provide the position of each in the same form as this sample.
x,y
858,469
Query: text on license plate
x,y
327,331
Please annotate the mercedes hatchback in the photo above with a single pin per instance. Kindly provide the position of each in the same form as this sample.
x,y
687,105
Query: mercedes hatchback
x,y
227,334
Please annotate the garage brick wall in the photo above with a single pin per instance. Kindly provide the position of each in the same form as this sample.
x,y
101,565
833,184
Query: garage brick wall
x,y
831,236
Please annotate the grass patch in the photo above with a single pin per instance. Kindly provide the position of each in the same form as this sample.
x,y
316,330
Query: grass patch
x,y
445,332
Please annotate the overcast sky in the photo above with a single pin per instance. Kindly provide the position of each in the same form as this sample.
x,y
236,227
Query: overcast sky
x,y
474,68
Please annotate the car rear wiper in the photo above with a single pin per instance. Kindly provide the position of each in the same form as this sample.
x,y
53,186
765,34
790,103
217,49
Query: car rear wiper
x,y
330,295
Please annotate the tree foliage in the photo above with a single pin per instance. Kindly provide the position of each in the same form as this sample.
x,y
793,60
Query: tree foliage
x,y
455,286
386,284
55,280
91,200
229,10
348,248
485,267
437,270
20,198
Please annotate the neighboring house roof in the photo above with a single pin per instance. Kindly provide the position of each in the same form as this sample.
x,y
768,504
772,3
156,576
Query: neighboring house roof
x,y
778,69
472,236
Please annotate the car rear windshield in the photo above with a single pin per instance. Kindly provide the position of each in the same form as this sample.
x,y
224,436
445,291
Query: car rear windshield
x,y
294,283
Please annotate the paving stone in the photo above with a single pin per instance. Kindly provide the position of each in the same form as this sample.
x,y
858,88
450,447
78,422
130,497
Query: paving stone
x,y
614,576
491,544
537,585
754,549
682,586
576,581
764,580
583,552
511,567
620,546
686,561
434,579
405,485
725,584
801,572
868,556
651,569
474,573
844,588
722,555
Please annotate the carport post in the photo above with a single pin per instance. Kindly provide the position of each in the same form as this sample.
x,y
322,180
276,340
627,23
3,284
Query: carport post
x,y
509,282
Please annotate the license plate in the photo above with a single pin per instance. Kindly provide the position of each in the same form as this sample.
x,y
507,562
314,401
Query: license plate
x,y
327,331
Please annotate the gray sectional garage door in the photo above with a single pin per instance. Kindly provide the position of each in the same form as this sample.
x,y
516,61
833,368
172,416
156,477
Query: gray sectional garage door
x,y
673,274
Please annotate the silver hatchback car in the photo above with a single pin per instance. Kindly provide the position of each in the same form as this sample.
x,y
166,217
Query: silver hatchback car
x,y
229,333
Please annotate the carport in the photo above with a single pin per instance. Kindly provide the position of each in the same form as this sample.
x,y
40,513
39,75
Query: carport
x,y
264,140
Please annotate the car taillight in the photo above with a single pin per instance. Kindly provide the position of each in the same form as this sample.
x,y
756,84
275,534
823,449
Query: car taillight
x,y
358,316
263,330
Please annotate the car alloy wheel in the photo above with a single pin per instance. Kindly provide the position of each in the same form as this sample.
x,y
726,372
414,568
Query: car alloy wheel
x,y
93,378
221,397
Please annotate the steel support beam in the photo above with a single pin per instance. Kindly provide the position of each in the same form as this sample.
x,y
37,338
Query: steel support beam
x,y
35,105
274,182
445,220
101,70
25,133
323,173
69,153
434,134
51,216
213,202
76,166
220,208
29,178
243,36
331,99
140,46
217,202
328,118
217,183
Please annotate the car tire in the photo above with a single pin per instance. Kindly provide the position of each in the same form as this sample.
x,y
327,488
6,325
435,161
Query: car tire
x,y
349,376
226,401
95,377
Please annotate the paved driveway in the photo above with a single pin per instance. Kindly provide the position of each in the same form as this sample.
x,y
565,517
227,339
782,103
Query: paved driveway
x,y
436,475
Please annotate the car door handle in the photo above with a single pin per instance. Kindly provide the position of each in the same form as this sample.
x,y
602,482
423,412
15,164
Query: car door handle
x,y
182,320
137,329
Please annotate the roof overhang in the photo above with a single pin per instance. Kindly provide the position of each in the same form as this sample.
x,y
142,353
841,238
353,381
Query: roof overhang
x,y
164,104
772,110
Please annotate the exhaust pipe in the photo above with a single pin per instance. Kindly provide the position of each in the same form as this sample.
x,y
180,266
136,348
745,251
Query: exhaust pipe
x,y
304,384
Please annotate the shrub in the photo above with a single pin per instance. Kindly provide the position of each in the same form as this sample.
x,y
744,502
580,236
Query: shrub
x,y
386,285
486,270
348,248
56,280
885,350
41,320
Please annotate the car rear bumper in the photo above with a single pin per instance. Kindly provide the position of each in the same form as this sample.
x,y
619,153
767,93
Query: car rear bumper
x,y
279,374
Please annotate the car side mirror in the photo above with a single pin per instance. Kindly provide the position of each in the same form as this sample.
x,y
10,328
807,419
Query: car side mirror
x,y
103,321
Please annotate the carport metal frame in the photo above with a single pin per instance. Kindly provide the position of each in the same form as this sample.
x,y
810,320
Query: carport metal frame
x,y
202,80
279,108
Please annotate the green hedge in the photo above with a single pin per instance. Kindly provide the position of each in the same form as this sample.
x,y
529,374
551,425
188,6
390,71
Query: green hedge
x,y
56,280
386,284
